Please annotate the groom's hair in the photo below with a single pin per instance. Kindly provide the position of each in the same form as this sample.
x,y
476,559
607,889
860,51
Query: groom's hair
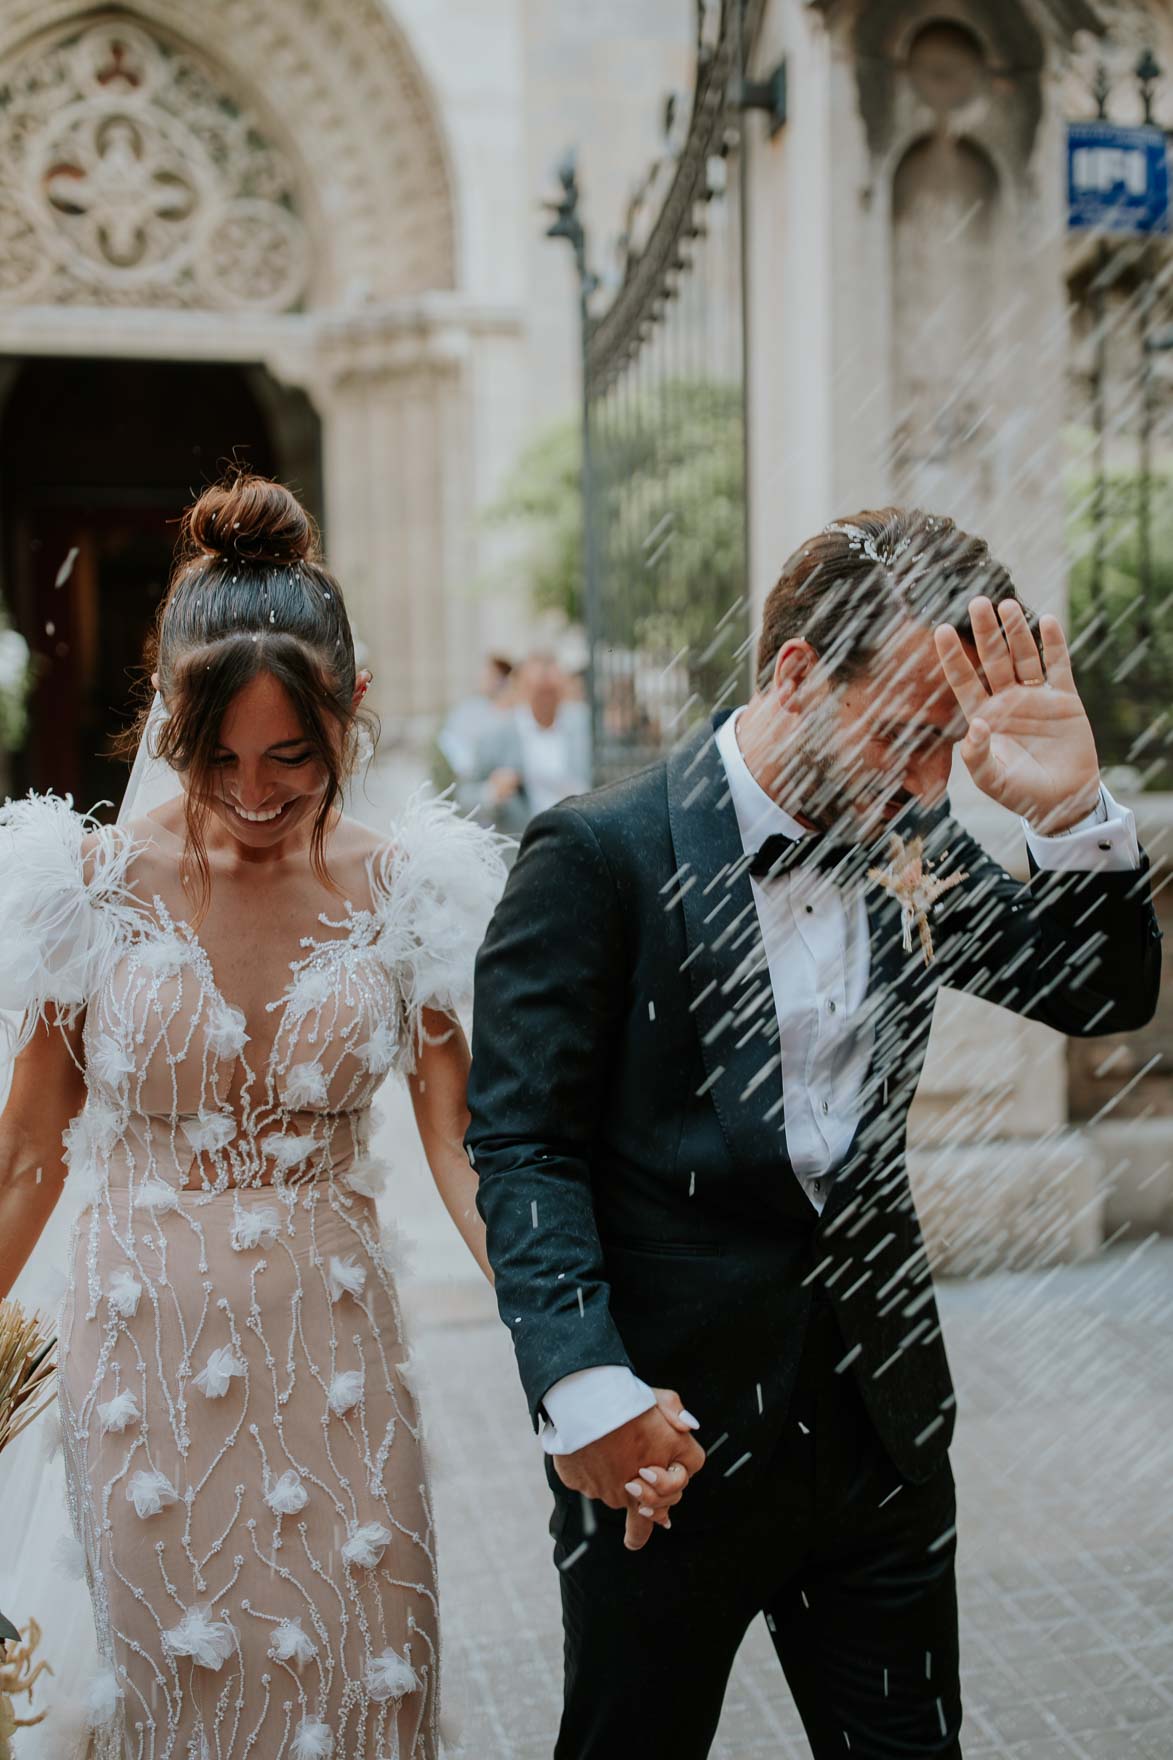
x,y
850,590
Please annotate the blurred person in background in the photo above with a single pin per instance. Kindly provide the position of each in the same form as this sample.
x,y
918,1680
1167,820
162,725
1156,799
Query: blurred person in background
x,y
536,756
473,718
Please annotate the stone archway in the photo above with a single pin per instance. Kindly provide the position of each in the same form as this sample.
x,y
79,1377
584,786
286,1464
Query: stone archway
x,y
89,506
329,92
277,195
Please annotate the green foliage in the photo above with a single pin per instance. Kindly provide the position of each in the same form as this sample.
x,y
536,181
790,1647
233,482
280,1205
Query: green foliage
x,y
1124,640
669,528
542,500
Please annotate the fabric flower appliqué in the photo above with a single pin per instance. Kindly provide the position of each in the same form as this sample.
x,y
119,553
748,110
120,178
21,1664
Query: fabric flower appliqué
x,y
366,1544
92,1133
149,1492
120,1411
345,1277
123,1292
102,1699
209,1131
164,955
69,1556
110,1061
367,1176
378,1054
286,1148
391,1676
304,1085
310,989
215,1378
312,1740
287,1495
257,1227
291,1643
155,1195
346,1389
225,1032
209,1642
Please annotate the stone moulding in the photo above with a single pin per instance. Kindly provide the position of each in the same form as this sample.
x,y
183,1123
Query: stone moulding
x,y
300,164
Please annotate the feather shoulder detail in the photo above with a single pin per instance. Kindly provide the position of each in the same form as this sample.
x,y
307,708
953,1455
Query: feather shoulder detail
x,y
64,908
435,886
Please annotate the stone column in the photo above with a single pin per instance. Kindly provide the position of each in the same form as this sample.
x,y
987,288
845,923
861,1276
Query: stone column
x,y
398,501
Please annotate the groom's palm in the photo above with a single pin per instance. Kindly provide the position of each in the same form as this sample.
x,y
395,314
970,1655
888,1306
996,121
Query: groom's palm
x,y
1029,746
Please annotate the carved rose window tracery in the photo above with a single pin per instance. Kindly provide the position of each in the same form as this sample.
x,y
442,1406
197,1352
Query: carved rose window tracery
x,y
128,176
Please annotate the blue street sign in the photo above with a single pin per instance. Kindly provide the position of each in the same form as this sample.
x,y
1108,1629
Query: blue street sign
x,y
1117,178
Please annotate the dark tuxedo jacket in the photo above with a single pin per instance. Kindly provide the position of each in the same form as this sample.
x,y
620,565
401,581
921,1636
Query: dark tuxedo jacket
x,y
627,1116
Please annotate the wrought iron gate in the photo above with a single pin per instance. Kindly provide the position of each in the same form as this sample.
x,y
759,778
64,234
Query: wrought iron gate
x,y
664,418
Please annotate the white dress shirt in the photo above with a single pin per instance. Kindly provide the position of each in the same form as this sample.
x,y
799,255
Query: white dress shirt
x,y
816,943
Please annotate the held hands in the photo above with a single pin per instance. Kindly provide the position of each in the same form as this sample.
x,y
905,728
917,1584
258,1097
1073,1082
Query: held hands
x,y
1029,745
615,1469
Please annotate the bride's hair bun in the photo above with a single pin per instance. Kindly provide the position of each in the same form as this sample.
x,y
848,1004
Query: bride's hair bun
x,y
250,519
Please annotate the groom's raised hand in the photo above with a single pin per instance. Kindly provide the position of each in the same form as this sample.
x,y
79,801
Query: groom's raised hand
x,y
1029,744
645,1464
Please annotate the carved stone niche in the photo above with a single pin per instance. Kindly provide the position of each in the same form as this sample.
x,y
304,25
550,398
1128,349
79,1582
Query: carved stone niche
x,y
130,176
954,67
950,131
1014,35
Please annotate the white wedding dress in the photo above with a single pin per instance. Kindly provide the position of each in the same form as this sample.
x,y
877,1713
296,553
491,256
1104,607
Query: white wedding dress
x,y
241,1441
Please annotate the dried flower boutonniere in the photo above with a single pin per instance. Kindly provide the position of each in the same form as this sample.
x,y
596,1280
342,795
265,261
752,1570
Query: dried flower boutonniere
x,y
915,889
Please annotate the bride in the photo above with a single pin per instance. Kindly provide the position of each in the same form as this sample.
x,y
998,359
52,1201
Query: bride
x,y
213,990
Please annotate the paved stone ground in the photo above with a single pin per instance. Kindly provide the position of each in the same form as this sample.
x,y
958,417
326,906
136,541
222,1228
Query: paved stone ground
x,y
1063,1459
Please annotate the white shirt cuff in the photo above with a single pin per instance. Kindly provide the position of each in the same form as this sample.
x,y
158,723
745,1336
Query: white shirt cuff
x,y
591,1403
1105,841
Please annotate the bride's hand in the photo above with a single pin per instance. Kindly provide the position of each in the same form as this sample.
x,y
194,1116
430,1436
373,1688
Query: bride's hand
x,y
659,1489
1029,745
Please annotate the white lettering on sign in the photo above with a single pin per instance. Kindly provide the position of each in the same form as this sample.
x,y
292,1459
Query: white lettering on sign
x,y
1103,169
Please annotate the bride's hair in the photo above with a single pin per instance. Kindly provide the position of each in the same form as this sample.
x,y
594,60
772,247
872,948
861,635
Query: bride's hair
x,y
250,595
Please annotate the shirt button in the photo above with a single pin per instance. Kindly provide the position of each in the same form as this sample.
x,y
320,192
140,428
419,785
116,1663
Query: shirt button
x,y
826,1107
1105,846
809,909
830,1005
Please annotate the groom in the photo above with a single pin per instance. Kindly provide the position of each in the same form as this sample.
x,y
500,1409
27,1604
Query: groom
x,y
701,1013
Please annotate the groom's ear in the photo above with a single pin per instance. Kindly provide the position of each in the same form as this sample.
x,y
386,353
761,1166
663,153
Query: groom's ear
x,y
795,670
154,681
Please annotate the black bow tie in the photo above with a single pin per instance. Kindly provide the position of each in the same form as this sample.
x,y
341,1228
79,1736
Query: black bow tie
x,y
818,850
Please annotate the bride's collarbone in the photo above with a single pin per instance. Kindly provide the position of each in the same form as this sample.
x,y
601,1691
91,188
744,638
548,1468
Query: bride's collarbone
x,y
276,896
257,920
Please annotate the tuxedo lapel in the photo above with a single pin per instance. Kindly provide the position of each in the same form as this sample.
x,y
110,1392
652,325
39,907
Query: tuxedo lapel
x,y
729,980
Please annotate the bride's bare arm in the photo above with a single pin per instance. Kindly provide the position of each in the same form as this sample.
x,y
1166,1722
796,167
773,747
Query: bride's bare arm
x,y
48,1091
438,1094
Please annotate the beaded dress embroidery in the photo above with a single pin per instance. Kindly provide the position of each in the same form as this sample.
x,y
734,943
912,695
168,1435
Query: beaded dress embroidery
x,y
242,1442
